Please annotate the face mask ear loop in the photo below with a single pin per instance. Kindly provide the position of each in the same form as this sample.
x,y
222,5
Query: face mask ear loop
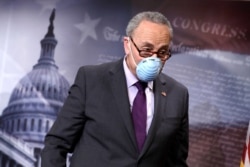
x,y
131,52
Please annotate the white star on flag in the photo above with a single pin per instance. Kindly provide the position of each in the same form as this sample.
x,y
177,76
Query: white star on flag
x,y
87,28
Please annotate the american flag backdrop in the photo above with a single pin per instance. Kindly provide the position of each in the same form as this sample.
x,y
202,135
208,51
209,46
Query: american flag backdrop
x,y
211,56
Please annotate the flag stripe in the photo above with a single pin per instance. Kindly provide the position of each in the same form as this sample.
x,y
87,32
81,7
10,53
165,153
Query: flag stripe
x,y
245,158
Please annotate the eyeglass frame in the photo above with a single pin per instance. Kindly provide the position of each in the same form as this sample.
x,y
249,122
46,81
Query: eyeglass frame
x,y
163,58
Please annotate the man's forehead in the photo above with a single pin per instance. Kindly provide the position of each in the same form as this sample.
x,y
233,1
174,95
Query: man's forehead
x,y
146,27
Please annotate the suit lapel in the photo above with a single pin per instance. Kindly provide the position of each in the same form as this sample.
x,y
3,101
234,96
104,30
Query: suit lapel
x,y
119,90
160,95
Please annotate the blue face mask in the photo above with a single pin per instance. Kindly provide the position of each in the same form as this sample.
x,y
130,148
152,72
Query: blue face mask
x,y
148,69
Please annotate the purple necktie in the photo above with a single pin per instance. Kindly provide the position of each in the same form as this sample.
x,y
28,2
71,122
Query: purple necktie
x,y
139,114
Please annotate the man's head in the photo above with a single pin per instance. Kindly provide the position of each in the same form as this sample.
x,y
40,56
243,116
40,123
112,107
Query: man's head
x,y
148,34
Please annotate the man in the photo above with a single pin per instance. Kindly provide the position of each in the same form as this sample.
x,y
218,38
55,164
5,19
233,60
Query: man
x,y
99,121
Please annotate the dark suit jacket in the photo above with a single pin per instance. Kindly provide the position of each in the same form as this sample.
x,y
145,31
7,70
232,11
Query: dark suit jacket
x,y
95,123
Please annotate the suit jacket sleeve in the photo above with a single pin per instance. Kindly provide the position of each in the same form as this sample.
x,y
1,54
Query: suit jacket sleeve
x,y
68,126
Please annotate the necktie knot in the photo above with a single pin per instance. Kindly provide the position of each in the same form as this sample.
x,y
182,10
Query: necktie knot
x,y
141,86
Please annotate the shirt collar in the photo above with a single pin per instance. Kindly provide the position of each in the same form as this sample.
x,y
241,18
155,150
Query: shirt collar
x,y
130,77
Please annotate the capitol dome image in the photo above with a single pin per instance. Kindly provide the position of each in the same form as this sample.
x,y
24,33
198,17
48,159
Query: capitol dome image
x,y
33,107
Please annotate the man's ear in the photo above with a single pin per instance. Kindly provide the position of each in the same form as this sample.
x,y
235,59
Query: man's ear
x,y
126,45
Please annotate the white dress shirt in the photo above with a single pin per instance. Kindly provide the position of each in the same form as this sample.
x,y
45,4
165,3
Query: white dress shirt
x,y
132,91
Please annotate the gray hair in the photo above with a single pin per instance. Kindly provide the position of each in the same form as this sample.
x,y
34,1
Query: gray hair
x,y
154,17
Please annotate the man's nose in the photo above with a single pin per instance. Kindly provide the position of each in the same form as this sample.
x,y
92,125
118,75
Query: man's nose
x,y
154,55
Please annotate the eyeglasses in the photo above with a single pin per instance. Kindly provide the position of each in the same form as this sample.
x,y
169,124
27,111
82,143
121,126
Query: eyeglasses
x,y
162,54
